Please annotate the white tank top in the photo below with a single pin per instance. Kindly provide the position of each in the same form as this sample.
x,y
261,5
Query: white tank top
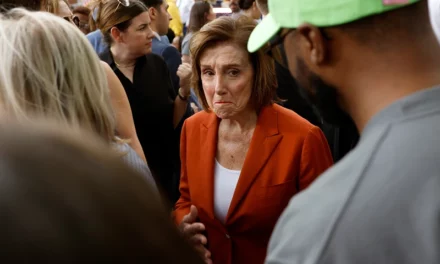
x,y
225,181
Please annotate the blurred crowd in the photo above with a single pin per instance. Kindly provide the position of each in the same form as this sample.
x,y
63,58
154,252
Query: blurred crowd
x,y
225,132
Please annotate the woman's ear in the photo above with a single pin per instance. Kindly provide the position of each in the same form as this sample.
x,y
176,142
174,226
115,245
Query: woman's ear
x,y
116,34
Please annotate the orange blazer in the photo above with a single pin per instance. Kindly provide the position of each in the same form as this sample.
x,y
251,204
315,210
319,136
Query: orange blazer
x,y
285,155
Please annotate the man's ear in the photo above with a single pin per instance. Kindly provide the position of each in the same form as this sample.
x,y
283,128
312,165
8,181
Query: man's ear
x,y
153,13
116,34
312,44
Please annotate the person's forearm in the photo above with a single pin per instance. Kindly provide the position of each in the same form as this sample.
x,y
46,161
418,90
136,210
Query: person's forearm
x,y
180,107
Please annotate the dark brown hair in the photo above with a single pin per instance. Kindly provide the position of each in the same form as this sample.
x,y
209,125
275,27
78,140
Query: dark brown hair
x,y
198,16
113,14
81,10
33,5
246,4
66,199
237,31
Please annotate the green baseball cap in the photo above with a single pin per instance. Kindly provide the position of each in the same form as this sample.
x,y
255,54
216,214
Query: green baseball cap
x,y
321,13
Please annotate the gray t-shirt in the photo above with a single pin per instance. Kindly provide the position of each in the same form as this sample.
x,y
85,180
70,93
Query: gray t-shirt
x,y
380,204
185,43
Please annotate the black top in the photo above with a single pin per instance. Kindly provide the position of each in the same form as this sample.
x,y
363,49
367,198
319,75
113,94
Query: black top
x,y
341,139
289,91
151,97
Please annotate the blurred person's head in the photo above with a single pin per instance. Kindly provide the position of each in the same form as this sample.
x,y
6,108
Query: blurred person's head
x,y
332,56
160,17
58,77
249,8
233,5
59,8
201,13
83,15
227,79
67,198
262,6
33,5
126,27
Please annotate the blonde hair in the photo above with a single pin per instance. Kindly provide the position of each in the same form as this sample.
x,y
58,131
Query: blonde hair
x,y
49,70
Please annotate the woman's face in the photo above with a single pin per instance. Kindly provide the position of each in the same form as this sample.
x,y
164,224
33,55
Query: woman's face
x,y
211,15
227,78
137,38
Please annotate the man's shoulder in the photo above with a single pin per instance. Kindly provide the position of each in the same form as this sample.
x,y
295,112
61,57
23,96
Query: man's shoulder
x,y
165,50
158,46
94,36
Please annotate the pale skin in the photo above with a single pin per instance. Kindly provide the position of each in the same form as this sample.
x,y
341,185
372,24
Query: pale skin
x,y
135,42
227,79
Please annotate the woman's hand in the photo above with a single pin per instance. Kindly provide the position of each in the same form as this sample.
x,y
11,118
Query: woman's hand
x,y
192,231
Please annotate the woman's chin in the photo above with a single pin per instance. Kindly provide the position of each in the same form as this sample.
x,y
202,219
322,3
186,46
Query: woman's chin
x,y
222,114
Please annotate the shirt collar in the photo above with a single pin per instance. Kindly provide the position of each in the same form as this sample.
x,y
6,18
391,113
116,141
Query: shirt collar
x,y
157,36
424,101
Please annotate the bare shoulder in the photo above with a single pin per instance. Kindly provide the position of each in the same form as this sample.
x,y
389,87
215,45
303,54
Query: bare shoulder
x,y
105,66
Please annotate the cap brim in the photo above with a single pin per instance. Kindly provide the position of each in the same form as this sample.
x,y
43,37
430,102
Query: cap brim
x,y
264,32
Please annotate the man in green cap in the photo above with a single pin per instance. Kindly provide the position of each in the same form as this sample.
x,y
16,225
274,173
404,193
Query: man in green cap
x,y
377,62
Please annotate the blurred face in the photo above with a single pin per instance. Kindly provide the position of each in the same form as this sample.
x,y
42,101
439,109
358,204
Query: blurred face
x,y
323,95
227,79
233,5
138,36
64,11
83,22
163,19
211,15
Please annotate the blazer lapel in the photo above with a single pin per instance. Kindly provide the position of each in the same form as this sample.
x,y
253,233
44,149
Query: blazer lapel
x,y
208,149
263,143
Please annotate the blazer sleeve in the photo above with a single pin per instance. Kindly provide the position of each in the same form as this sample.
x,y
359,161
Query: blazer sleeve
x,y
315,159
173,59
183,205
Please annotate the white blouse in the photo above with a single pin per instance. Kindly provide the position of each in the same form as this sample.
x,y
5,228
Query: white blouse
x,y
225,181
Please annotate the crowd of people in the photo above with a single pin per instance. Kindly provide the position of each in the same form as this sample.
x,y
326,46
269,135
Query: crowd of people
x,y
162,131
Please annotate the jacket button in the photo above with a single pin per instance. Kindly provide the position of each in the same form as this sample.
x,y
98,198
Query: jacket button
x,y
227,236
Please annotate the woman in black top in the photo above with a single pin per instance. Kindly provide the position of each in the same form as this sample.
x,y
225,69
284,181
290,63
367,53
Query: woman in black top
x,y
158,112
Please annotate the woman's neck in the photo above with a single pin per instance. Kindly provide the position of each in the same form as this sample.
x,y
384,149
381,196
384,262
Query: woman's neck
x,y
121,57
243,122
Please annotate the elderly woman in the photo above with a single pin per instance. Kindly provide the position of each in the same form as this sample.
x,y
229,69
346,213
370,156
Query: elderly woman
x,y
244,157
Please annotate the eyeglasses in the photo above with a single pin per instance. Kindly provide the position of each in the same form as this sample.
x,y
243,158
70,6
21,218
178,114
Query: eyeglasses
x,y
276,48
72,19
125,3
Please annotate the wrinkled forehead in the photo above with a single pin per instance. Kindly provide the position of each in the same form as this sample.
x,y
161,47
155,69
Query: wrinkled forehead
x,y
223,54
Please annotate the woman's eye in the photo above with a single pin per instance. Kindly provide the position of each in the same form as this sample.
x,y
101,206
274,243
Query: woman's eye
x,y
208,73
234,73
